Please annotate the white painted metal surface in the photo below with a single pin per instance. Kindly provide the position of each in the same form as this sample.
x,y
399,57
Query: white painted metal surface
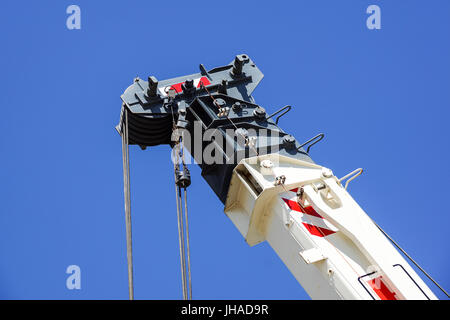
x,y
327,241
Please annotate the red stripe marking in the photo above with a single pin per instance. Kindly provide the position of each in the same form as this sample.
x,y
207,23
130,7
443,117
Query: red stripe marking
x,y
177,86
381,289
205,81
317,231
294,205
314,230
310,210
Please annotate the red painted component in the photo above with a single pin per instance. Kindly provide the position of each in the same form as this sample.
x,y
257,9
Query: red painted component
x,y
294,205
310,210
177,86
317,231
314,230
205,81
381,289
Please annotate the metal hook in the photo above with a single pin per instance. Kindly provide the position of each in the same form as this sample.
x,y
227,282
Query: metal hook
x,y
317,138
357,171
276,112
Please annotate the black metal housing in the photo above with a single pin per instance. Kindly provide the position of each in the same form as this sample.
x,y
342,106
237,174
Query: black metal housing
x,y
153,107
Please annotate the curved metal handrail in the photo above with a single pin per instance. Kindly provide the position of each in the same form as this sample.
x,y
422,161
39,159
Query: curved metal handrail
x,y
276,112
354,174
316,139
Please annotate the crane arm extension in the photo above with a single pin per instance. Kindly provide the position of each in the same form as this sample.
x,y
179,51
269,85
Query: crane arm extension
x,y
326,240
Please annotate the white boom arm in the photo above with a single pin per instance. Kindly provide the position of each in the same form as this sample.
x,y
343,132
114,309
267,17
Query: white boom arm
x,y
331,246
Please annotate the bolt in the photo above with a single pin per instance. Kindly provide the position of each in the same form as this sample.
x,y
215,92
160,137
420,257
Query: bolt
x,y
189,83
152,86
220,103
266,167
260,113
223,87
266,164
289,141
327,173
237,65
237,106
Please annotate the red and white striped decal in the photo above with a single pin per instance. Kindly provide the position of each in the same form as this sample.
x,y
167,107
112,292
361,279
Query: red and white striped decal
x,y
314,223
381,289
178,89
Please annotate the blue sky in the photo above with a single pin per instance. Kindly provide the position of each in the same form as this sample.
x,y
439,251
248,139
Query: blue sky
x,y
380,96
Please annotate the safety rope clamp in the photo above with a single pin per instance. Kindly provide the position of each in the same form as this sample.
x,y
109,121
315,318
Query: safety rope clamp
x,y
223,112
280,180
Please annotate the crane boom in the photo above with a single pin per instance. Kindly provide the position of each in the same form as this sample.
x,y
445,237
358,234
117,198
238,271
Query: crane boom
x,y
327,241
271,188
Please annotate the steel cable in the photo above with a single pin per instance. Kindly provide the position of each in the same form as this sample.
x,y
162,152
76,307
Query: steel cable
x,y
126,184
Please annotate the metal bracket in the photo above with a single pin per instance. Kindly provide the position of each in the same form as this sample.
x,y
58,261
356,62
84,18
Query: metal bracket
x,y
314,140
312,255
286,108
223,112
204,71
353,175
280,180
